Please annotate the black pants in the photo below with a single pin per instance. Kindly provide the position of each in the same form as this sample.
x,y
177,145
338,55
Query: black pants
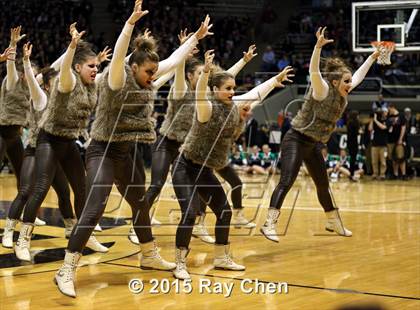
x,y
108,163
137,153
11,144
229,175
164,152
353,150
296,148
51,152
27,181
191,180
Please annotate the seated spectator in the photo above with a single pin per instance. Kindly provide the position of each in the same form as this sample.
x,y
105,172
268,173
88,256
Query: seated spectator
x,y
254,161
238,159
340,166
268,159
261,162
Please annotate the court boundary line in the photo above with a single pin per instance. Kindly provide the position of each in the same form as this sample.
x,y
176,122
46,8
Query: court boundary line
x,y
292,285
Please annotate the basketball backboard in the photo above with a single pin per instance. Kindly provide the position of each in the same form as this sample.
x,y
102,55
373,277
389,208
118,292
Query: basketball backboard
x,y
397,21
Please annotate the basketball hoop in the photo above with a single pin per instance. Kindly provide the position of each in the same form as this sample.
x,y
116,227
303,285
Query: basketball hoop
x,y
385,49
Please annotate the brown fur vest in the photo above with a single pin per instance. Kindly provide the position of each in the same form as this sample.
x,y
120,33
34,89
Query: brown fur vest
x,y
125,114
14,104
67,115
209,143
179,116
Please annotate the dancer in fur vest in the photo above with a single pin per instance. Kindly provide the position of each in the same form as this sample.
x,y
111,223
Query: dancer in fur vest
x,y
216,124
123,117
311,128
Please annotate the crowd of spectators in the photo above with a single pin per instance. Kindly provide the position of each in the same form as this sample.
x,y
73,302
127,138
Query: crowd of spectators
x,y
302,27
45,24
172,16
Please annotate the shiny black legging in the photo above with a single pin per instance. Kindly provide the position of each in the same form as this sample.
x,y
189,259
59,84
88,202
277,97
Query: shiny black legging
x,y
296,148
52,151
106,164
11,144
191,180
137,154
27,181
229,175
164,152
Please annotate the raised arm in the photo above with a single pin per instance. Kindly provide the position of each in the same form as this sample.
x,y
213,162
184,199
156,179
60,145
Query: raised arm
x,y
12,76
319,86
66,78
117,75
8,54
162,80
360,74
180,85
203,105
185,49
236,68
39,98
103,56
258,93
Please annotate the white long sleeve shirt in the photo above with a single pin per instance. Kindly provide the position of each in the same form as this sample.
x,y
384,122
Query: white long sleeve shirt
x,y
116,78
12,76
253,97
38,96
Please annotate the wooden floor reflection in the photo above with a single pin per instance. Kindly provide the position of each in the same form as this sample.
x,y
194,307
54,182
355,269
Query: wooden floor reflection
x,y
380,263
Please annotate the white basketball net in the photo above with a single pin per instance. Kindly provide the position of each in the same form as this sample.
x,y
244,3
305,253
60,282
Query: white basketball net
x,y
385,50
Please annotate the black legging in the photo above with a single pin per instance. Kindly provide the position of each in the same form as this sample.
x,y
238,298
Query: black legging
x,y
106,164
353,155
296,148
229,175
27,181
164,151
137,153
191,180
52,151
11,144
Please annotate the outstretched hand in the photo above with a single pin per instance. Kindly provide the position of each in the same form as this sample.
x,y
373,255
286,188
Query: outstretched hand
x,y
183,36
376,54
8,54
244,111
284,76
203,31
27,50
75,35
15,36
137,13
104,55
208,60
322,40
147,34
250,54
